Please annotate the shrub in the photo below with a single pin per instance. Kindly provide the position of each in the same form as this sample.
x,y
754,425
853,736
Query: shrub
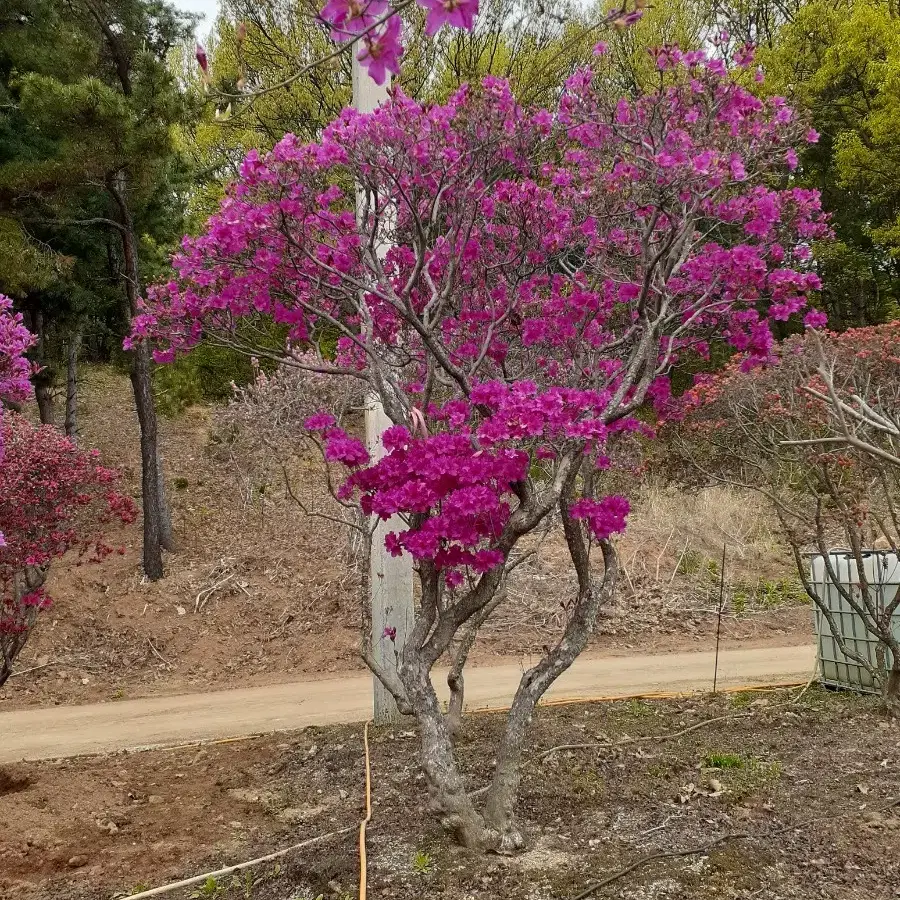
x,y
817,434
53,498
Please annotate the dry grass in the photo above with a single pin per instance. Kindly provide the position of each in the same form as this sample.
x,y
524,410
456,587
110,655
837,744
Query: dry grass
x,y
671,560
672,533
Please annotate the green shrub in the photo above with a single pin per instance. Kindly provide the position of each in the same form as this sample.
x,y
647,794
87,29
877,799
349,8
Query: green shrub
x,y
767,594
694,562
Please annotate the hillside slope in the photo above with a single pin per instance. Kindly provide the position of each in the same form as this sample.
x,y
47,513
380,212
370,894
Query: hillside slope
x,y
257,592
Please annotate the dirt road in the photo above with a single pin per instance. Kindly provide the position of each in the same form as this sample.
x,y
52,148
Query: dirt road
x,y
165,721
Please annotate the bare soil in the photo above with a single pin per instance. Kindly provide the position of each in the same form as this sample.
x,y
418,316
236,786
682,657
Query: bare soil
x,y
259,593
808,790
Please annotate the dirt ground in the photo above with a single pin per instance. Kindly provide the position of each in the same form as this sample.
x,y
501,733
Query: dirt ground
x,y
258,593
808,792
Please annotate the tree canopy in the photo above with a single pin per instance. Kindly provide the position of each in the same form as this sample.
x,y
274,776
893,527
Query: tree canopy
x,y
840,62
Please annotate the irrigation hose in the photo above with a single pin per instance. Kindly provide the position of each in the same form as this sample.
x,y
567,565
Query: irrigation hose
x,y
363,861
653,695
230,870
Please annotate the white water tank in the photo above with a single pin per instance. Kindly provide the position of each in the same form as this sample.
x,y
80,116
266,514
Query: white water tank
x,y
882,572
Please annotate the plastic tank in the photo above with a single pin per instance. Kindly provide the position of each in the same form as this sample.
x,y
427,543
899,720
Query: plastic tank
x,y
882,571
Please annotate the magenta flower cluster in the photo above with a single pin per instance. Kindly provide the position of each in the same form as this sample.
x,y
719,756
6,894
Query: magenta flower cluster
x,y
15,370
516,285
379,25
460,482
15,339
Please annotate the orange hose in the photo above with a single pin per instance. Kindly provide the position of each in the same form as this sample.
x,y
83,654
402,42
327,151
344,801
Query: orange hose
x,y
651,695
363,862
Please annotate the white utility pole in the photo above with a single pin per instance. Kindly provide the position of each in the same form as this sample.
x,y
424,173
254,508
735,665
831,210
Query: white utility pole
x,y
390,577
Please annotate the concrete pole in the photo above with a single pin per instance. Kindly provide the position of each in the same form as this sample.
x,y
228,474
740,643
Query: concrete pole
x,y
390,577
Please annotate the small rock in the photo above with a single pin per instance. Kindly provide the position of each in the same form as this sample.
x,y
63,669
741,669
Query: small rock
x,y
863,788
342,794
76,862
181,610
760,701
716,786
154,798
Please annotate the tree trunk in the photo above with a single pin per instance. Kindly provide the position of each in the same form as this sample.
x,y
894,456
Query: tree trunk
x,y
448,798
43,393
42,379
166,538
457,683
500,806
892,686
155,507
150,488
497,830
459,655
71,423
13,641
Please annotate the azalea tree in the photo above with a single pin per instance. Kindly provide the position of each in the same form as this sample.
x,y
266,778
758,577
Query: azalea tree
x,y
53,498
817,434
514,288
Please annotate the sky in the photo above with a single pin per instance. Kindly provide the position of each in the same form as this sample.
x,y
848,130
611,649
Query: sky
x,y
205,8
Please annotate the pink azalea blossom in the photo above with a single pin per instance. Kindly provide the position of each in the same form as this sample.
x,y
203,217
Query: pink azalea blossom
x,y
349,18
815,318
381,51
456,13
54,498
15,339
744,56
15,370
319,422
